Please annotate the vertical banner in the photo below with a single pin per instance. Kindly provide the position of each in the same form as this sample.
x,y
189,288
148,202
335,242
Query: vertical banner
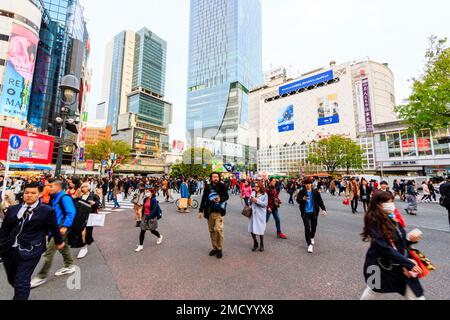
x,y
360,107
367,105
19,71
286,119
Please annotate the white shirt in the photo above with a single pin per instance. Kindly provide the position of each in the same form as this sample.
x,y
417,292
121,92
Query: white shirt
x,y
24,208
20,216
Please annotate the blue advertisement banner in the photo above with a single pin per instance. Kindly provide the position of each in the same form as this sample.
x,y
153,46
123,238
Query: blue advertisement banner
x,y
328,110
286,119
304,83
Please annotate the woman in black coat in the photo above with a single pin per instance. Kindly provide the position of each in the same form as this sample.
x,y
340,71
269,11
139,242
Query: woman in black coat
x,y
388,267
365,193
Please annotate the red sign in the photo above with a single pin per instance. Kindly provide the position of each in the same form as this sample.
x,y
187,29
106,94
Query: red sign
x,y
34,148
84,134
90,165
178,146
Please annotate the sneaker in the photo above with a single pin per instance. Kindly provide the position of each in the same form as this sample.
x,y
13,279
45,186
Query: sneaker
x,y
36,282
139,249
160,240
65,271
313,242
83,252
219,255
310,249
282,236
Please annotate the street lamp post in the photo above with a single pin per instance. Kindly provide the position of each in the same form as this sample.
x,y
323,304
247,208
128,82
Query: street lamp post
x,y
70,89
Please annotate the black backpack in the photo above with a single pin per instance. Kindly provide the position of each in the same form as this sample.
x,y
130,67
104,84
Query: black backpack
x,y
83,210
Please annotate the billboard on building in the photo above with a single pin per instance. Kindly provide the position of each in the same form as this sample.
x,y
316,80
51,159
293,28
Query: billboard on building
x,y
32,148
328,110
307,82
286,119
19,69
214,146
178,146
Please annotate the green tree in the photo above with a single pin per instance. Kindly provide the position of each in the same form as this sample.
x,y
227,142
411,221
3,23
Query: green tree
x,y
336,152
353,156
197,162
429,105
103,150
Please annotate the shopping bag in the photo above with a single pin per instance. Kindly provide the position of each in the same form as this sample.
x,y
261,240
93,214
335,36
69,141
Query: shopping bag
x,y
96,220
119,197
346,202
183,203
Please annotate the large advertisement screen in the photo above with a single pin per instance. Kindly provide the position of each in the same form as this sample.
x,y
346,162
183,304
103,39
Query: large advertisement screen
x,y
32,148
328,110
19,71
286,119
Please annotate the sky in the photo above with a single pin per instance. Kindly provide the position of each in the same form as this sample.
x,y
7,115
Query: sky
x,y
298,34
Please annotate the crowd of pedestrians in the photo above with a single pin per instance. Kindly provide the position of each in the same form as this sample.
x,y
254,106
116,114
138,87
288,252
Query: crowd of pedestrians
x,y
43,215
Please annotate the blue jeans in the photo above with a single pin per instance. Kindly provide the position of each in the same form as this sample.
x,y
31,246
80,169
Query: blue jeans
x,y
110,196
116,204
276,216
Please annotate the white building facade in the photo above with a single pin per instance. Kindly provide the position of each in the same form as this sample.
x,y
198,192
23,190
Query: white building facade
x,y
287,115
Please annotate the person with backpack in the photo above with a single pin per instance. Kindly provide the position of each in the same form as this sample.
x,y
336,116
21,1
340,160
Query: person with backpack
x,y
213,207
91,202
151,213
65,211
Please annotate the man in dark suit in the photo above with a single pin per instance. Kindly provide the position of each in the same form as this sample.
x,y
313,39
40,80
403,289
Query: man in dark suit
x,y
23,239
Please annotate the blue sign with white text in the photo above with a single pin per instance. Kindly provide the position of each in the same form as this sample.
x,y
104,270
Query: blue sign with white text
x,y
304,83
329,120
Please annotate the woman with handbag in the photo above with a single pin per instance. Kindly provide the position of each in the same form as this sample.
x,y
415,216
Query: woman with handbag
x,y
257,225
151,213
93,201
389,267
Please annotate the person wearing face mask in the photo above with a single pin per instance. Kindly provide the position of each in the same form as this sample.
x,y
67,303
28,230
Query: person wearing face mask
x,y
389,268
151,213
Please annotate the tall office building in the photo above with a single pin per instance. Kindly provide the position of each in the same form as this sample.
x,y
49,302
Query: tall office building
x,y
225,63
133,92
63,49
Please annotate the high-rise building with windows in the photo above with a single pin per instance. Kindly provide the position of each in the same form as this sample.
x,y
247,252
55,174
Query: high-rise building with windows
x,y
225,63
133,92
63,49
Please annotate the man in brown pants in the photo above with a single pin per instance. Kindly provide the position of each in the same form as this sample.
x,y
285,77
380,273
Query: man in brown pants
x,y
213,208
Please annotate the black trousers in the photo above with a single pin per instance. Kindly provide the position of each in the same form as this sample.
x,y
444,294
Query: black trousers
x,y
19,273
310,223
354,204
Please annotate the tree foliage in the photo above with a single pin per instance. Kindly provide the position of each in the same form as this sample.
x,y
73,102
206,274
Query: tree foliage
x,y
336,152
103,150
429,105
197,162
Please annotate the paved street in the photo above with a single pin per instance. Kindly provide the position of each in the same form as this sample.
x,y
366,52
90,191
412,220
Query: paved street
x,y
181,269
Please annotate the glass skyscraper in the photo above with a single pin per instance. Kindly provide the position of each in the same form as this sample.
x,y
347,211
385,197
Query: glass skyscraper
x,y
225,62
62,50
133,91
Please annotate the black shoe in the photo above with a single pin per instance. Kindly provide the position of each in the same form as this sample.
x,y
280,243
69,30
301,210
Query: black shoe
x,y
138,224
219,255
261,248
213,253
255,247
